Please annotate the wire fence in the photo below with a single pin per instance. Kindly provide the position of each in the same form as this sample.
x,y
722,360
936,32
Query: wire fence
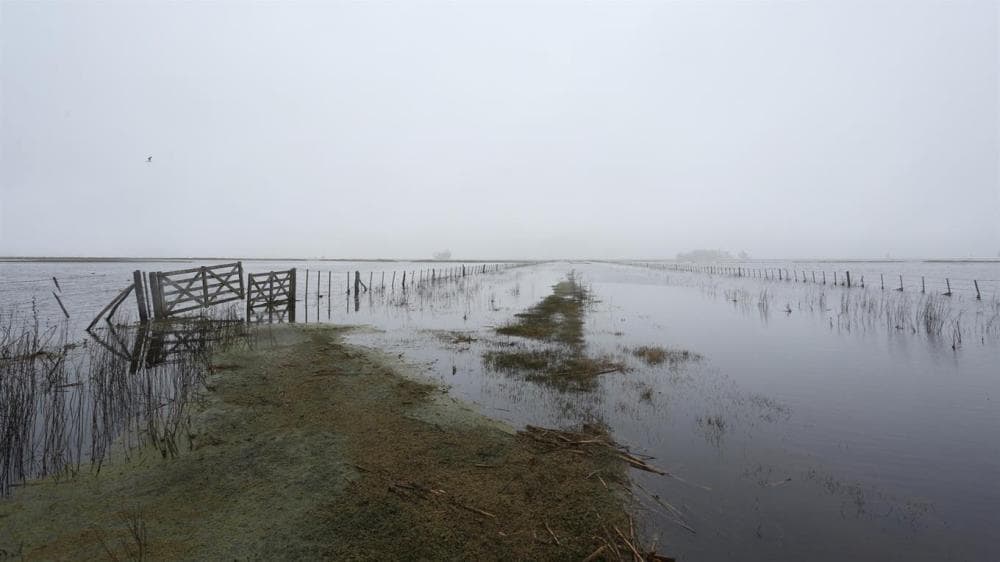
x,y
959,285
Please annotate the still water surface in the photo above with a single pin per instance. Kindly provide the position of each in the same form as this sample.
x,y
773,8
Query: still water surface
x,y
798,436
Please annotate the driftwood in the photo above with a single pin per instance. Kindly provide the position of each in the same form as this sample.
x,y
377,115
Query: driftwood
x,y
58,300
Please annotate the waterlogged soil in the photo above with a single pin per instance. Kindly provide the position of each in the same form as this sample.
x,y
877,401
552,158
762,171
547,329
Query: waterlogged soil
x,y
308,448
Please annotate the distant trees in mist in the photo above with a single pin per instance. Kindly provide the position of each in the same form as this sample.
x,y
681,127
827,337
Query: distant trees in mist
x,y
710,255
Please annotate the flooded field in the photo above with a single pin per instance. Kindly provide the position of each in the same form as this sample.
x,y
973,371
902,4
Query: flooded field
x,y
794,420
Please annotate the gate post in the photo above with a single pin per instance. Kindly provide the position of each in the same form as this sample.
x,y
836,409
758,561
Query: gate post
x,y
140,295
291,297
249,296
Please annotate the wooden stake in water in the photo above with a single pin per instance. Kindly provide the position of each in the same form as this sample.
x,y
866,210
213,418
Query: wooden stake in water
x,y
848,279
900,289
923,286
948,282
60,303
974,282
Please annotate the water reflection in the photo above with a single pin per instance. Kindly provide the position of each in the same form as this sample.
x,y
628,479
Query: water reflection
x,y
805,434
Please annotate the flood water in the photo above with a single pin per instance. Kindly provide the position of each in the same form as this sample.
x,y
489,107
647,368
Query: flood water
x,y
814,427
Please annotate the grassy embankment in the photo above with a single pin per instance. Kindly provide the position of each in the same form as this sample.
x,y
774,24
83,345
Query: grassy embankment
x,y
561,360
307,448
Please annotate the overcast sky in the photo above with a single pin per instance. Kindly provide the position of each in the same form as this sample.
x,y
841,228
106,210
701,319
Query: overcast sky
x,y
500,130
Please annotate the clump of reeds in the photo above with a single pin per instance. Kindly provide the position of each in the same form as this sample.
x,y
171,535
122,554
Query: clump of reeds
x,y
63,403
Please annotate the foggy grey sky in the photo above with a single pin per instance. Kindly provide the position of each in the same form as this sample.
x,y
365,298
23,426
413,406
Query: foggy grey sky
x,y
500,130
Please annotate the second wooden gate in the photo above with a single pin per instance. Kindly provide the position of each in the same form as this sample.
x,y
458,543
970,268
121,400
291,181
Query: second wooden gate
x,y
271,292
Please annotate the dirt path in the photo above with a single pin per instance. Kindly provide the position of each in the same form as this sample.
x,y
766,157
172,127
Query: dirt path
x,y
308,448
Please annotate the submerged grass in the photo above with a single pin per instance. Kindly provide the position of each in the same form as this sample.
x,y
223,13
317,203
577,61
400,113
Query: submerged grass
x,y
557,322
560,368
658,355
557,318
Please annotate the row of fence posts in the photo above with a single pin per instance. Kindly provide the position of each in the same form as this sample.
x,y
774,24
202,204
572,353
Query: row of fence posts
x,y
407,279
783,274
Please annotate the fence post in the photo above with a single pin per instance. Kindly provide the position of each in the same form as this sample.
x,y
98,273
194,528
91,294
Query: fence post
x,y
948,281
243,289
249,296
204,287
292,297
923,286
140,295
978,296
900,284
848,279
156,289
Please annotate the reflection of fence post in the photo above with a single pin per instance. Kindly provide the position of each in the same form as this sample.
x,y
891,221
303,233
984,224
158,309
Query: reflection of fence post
x,y
140,295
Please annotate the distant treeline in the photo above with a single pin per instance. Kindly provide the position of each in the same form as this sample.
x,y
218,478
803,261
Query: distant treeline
x,y
709,256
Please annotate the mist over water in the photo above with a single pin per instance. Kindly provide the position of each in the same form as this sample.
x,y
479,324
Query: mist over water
x,y
807,426
500,130
826,174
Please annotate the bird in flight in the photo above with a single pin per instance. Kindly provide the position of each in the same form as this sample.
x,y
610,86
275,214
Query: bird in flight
x,y
149,159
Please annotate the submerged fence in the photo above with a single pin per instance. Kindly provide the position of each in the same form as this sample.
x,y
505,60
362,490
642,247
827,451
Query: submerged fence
x,y
356,283
978,289
162,295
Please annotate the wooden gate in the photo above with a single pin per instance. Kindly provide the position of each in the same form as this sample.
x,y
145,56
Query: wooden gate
x,y
270,293
174,292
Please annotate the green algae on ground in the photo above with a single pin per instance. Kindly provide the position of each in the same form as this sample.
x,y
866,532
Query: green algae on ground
x,y
307,448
